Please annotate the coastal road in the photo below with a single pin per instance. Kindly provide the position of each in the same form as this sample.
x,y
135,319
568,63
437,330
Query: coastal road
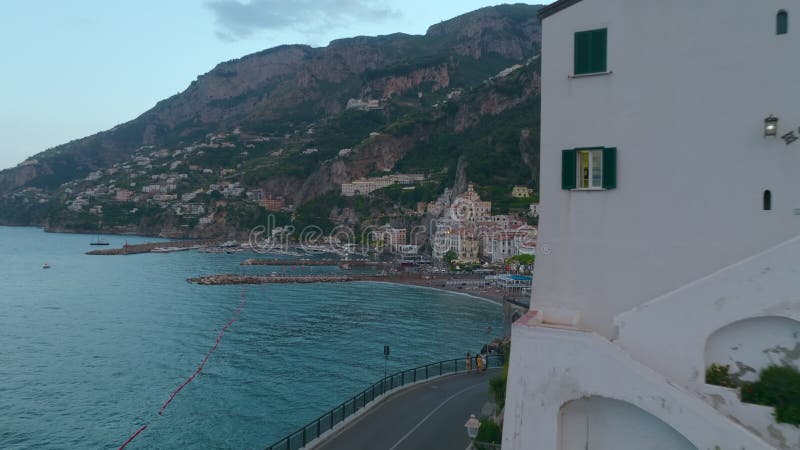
x,y
427,416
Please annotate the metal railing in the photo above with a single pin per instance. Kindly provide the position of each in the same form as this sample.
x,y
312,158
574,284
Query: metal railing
x,y
314,429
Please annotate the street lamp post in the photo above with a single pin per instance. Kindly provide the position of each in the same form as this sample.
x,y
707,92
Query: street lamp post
x,y
385,362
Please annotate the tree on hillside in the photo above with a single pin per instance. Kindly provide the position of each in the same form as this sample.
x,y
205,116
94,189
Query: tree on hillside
x,y
523,259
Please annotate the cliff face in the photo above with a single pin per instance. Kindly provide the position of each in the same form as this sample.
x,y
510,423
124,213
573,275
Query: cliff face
x,y
476,33
380,154
438,76
458,103
20,176
300,84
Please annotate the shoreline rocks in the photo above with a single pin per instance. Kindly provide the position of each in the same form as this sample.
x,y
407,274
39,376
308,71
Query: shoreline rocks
x,y
229,279
312,262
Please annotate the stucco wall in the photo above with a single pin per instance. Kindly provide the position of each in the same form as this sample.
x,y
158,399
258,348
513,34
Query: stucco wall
x,y
750,345
692,83
604,424
758,419
551,367
746,315
670,333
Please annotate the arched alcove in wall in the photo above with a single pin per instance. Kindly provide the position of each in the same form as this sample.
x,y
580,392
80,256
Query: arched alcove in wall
x,y
749,345
601,423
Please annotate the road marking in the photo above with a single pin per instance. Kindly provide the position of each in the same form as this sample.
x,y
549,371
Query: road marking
x,y
425,419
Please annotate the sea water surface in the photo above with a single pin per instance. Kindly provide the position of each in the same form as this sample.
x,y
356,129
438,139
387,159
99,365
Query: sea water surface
x,y
91,348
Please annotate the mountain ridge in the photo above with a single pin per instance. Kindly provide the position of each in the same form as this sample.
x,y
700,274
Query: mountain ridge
x,y
282,92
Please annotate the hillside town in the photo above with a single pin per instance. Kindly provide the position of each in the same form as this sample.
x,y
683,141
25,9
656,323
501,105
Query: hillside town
x,y
472,234
192,182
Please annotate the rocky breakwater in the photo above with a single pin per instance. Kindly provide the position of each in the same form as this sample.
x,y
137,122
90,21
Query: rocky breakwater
x,y
228,279
133,249
313,262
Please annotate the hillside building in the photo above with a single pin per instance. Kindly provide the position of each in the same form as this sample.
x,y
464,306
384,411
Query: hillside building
x,y
471,232
272,204
454,236
469,206
521,192
366,186
647,103
500,244
363,105
392,238
123,195
255,194
190,209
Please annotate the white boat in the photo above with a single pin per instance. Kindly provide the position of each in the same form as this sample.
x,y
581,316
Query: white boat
x,y
45,266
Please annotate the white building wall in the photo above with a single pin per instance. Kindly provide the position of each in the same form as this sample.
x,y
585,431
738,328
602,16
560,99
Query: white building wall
x,y
561,365
670,333
746,316
681,248
595,423
753,344
758,419
692,83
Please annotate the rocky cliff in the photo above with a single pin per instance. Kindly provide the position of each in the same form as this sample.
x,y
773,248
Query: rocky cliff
x,y
279,121
300,84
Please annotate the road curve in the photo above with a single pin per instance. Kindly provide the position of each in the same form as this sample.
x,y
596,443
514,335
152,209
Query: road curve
x,y
427,416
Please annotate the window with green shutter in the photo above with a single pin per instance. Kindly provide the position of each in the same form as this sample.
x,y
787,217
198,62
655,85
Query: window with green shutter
x,y
568,169
590,51
589,168
609,168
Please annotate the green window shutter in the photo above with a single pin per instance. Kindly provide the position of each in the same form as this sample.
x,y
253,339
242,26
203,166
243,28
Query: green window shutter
x,y
569,169
609,168
581,52
598,50
590,51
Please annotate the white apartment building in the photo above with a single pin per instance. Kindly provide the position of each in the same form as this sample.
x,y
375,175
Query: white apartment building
x,y
159,188
190,209
363,105
521,192
365,186
648,103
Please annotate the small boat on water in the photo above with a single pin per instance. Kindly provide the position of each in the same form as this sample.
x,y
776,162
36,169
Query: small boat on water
x,y
99,241
45,266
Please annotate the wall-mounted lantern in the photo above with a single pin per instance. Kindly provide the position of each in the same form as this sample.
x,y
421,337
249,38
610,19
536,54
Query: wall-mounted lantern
x,y
771,126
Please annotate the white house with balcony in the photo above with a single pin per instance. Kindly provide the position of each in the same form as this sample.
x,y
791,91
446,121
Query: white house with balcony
x,y
647,103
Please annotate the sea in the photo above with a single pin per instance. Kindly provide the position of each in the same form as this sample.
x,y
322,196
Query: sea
x,y
93,347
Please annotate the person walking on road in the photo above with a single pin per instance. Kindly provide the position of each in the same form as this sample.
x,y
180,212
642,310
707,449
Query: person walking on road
x,y
478,363
484,361
469,363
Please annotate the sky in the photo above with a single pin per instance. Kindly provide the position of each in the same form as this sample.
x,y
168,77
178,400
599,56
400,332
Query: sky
x,y
74,68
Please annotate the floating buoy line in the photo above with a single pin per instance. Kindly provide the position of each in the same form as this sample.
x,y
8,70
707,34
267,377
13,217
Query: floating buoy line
x,y
234,317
